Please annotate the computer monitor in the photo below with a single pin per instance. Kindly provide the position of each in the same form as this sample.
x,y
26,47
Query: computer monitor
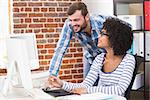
x,y
28,41
22,58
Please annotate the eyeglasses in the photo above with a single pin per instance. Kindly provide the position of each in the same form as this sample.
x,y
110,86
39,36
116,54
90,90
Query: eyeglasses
x,y
103,33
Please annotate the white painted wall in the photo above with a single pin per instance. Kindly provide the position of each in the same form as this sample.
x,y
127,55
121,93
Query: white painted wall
x,y
5,28
104,7
4,18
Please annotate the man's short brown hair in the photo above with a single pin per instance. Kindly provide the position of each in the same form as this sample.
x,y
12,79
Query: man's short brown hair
x,y
77,6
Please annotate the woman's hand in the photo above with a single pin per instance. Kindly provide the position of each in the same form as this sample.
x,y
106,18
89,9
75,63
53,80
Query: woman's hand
x,y
79,91
55,82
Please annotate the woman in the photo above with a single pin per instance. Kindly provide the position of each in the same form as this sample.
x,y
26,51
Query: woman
x,y
114,68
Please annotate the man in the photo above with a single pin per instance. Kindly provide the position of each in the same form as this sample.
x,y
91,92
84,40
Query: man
x,y
86,28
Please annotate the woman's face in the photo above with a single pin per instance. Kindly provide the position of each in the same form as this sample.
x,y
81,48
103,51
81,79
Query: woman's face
x,y
103,40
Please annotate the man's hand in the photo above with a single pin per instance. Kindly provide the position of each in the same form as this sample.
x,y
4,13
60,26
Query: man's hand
x,y
55,82
79,91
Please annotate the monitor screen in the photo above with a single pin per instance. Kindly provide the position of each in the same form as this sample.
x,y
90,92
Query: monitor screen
x,y
30,48
22,58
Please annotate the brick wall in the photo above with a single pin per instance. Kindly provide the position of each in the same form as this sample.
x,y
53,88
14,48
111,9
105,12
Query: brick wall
x,y
45,18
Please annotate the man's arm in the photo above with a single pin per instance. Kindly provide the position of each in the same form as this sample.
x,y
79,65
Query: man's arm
x,y
62,45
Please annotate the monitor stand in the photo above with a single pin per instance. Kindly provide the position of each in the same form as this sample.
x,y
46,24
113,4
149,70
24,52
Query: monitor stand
x,y
17,71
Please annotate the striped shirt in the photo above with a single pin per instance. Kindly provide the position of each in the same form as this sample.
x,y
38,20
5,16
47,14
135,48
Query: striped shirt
x,y
115,82
88,42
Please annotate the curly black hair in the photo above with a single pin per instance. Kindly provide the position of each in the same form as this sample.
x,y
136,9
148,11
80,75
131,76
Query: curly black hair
x,y
120,35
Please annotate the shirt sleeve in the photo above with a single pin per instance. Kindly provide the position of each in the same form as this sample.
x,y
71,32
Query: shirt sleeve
x,y
120,87
62,45
91,77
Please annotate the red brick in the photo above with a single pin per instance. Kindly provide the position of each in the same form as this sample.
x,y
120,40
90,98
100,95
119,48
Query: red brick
x,y
59,9
50,46
3,71
65,61
50,40
51,10
43,62
48,56
20,15
35,15
39,19
79,60
60,72
66,77
35,4
72,61
39,36
15,9
50,25
73,81
16,31
28,9
78,54
79,80
80,70
57,19
19,4
40,46
65,9
63,4
67,72
72,49
79,49
60,25
22,9
28,20
36,9
43,51
41,57
74,71
78,76
67,66
77,45
50,15
51,51
62,15
35,25
20,26
37,30
17,20
63,19
43,9
50,20
29,31
50,4
68,55
78,65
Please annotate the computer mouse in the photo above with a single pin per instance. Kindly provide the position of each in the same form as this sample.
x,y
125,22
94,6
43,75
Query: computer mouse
x,y
46,89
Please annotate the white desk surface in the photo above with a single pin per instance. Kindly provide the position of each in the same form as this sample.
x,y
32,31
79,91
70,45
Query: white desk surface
x,y
95,96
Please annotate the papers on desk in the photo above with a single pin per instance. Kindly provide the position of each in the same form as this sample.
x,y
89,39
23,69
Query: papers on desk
x,y
93,96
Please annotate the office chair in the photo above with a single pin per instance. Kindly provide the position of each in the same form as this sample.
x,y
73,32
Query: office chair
x,y
138,60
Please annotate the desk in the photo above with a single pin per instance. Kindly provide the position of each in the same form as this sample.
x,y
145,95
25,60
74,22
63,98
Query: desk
x,y
20,95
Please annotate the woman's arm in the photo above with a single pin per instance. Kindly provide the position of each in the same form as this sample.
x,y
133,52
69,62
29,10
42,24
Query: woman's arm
x,y
123,83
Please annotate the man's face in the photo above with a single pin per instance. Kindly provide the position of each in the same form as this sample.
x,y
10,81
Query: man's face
x,y
78,21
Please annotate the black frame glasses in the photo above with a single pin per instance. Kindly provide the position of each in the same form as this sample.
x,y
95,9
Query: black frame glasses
x,y
103,33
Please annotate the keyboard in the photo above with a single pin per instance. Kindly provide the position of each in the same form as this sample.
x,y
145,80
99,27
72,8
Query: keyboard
x,y
39,94
57,92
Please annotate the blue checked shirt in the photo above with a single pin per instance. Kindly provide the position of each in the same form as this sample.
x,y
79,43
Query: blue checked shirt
x,y
89,42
